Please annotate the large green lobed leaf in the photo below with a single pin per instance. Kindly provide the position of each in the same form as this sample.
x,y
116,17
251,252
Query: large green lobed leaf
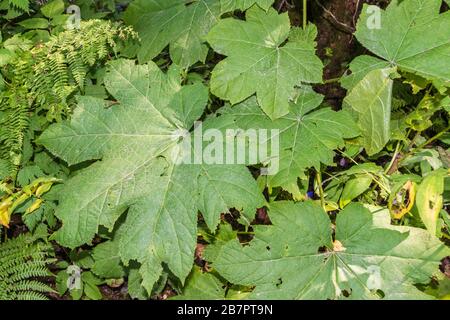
x,y
307,135
412,35
180,24
171,22
299,258
264,56
135,139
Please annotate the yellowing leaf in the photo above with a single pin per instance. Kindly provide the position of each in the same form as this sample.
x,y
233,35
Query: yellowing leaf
x,y
429,199
5,217
36,205
401,200
43,188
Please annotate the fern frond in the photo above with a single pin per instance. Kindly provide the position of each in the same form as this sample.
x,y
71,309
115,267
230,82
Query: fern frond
x,y
23,260
33,285
46,78
23,5
29,295
5,169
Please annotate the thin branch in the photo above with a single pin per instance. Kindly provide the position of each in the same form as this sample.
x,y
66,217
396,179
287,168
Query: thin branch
x,y
356,13
344,28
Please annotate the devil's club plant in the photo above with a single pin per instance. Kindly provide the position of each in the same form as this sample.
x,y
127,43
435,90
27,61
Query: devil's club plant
x,y
209,159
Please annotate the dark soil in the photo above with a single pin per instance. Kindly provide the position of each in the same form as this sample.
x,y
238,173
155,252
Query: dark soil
x,y
336,21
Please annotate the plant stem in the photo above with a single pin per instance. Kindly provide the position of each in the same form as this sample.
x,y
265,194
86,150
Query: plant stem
x,y
319,184
305,14
394,157
374,177
420,146
437,136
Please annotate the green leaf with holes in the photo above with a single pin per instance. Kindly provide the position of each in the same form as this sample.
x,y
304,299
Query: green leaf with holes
x,y
429,199
299,256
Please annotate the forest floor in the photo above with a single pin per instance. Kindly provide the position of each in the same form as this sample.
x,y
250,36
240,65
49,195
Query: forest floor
x,y
335,20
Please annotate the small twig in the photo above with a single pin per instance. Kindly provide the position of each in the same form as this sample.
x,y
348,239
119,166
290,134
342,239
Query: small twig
x,y
282,3
285,3
346,28
354,19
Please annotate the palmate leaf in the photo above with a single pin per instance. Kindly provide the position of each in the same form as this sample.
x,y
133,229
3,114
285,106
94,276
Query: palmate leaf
x,y
297,258
135,139
412,35
259,61
181,24
307,137
163,22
